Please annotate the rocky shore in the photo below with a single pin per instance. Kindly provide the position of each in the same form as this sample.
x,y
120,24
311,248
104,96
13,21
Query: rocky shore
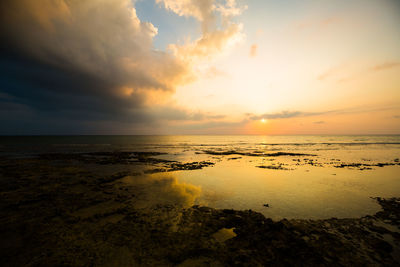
x,y
76,210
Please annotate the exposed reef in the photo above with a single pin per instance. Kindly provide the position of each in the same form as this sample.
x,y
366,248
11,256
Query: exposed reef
x,y
117,157
127,158
273,167
55,214
254,154
365,166
190,165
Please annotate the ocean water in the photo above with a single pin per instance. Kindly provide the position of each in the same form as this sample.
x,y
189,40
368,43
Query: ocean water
x,y
335,177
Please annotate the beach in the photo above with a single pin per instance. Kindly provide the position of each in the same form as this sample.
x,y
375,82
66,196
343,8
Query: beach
x,y
200,201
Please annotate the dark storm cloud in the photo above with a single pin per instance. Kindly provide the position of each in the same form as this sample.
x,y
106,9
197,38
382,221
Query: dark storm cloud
x,y
73,64
45,87
181,114
47,99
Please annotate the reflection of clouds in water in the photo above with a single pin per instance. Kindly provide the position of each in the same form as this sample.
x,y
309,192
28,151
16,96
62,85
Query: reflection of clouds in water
x,y
161,188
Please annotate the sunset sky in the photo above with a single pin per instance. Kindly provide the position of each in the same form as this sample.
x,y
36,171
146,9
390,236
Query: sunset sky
x,y
200,67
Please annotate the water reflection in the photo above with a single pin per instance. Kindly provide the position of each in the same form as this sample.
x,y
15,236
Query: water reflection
x,y
305,192
160,189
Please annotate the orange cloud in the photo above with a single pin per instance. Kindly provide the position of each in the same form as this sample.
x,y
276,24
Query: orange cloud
x,y
384,66
209,45
253,50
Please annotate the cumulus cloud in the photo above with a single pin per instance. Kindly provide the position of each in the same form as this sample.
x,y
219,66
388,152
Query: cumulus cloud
x,y
79,61
215,38
201,10
100,38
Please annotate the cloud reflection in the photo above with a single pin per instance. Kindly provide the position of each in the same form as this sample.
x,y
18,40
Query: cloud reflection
x,y
161,188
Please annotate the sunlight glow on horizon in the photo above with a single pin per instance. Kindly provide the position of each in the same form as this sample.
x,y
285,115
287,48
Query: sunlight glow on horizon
x,y
201,67
313,63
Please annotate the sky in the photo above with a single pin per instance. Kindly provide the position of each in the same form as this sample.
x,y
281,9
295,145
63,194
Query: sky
x,y
199,67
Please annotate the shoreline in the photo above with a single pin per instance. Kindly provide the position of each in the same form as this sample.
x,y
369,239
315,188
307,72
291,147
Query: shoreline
x,y
57,211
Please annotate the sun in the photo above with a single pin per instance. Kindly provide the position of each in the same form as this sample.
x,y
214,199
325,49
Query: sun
x,y
263,120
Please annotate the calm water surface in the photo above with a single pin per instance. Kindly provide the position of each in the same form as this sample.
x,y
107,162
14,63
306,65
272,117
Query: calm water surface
x,y
292,186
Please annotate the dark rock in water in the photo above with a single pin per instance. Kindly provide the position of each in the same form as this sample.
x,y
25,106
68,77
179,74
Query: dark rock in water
x,y
384,164
233,158
363,166
157,170
54,215
273,167
277,154
190,165
266,205
255,153
228,211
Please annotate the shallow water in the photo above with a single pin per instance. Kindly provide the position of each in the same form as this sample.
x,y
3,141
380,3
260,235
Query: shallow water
x,y
336,178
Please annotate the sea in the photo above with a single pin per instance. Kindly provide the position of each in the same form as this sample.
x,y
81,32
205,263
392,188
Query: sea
x,y
293,176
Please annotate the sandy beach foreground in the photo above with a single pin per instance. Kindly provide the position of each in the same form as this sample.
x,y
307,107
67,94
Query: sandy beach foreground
x,y
71,210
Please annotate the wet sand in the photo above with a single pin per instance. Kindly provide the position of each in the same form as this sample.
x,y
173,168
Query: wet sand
x,y
126,209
